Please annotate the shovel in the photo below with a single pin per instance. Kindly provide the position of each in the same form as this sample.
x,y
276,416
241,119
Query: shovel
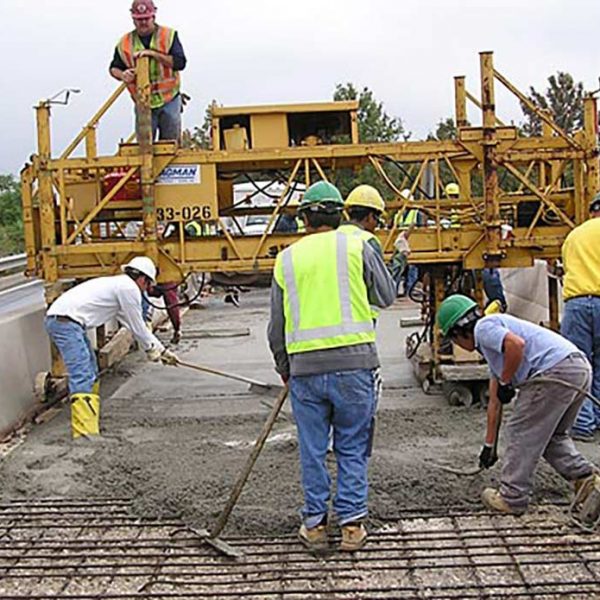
x,y
255,386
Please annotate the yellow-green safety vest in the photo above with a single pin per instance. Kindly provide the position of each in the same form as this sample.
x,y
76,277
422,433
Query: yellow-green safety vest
x,y
366,236
164,81
405,221
325,299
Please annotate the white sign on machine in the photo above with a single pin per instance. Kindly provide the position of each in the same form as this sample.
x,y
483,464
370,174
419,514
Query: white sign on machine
x,y
179,175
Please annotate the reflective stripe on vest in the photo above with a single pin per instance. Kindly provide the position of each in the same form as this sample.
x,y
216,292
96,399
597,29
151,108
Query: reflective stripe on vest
x,y
325,297
164,82
408,219
366,236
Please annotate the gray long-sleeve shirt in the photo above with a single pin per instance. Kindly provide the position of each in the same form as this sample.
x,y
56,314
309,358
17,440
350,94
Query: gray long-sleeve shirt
x,y
381,290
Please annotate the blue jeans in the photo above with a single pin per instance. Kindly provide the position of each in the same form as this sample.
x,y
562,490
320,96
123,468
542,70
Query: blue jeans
x,y
345,400
492,286
412,276
77,354
166,120
581,325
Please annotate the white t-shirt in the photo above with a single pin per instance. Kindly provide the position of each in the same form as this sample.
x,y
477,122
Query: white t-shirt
x,y
97,301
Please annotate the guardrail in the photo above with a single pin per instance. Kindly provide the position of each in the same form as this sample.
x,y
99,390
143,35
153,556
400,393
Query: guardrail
x,y
13,264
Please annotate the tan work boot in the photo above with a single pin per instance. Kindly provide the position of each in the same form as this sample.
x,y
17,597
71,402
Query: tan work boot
x,y
354,537
585,485
493,500
315,538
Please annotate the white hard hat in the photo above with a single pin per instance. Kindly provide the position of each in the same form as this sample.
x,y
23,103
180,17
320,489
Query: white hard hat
x,y
406,194
144,265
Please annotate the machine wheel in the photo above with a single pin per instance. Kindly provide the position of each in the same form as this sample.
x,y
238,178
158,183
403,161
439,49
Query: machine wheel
x,y
483,393
426,385
457,394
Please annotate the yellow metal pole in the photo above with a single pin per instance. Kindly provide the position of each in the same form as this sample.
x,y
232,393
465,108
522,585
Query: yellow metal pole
x,y
91,152
460,102
144,134
46,194
590,129
493,253
31,246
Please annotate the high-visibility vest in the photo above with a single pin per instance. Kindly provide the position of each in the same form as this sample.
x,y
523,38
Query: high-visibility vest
x,y
402,220
325,299
300,225
164,82
194,229
365,236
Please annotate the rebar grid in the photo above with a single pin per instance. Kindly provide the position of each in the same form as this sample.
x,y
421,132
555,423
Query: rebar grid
x,y
50,550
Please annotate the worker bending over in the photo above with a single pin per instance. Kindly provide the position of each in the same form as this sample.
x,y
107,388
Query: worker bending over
x,y
322,336
581,319
519,352
161,44
91,304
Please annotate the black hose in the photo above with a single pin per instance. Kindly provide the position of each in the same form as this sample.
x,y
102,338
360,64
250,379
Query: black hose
x,y
178,304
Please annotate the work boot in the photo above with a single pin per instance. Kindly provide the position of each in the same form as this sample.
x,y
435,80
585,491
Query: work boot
x,y
314,538
176,337
85,415
493,500
354,536
582,436
585,485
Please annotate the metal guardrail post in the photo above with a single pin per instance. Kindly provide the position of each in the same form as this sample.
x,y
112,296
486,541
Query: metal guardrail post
x,y
14,263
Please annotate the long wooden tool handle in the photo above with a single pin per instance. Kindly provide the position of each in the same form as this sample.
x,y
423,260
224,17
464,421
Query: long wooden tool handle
x,y
206,369
243,477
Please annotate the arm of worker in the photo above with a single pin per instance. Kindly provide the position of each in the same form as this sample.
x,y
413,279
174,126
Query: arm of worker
x,y
130,314
381,288
276,332
119,70
489,454
175,59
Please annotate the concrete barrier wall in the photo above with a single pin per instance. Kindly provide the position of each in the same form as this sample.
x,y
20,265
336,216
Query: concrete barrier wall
x,y
24,352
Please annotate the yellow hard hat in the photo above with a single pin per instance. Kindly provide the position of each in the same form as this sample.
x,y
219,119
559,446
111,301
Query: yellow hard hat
x,y
367,196
452,189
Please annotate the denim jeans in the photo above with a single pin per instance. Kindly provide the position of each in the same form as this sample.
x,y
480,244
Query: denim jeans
x,y
345,400
581,325
77,353
167,120
492,286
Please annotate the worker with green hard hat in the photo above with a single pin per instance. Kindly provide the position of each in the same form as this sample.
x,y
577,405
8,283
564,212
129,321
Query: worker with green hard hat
x,y
322,337
517,353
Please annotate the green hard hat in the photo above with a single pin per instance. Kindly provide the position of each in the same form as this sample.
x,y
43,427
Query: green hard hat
x,y
322,194
452,309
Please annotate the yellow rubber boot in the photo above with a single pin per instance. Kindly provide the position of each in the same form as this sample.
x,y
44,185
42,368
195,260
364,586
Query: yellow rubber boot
x,y
96,387
85,415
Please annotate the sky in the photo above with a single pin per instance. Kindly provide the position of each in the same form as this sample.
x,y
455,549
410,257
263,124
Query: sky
x,y
247,52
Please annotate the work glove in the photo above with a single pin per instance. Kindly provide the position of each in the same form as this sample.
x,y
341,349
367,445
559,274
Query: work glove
x,y
506,392
153,354
488,456
169,358
401,244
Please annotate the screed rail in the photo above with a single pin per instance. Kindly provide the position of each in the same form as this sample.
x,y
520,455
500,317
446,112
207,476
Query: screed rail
x,y
59,548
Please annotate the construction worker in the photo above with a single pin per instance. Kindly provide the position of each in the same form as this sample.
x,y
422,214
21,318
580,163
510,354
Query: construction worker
x,y
322,338
518,353
365,209
453,193
167,59
89,305
581,318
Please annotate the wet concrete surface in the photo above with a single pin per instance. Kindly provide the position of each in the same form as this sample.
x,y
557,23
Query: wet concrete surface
x,y
175,439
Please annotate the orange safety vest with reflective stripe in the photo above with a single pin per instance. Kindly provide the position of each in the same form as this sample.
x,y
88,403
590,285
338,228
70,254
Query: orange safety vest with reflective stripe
x,y
164,81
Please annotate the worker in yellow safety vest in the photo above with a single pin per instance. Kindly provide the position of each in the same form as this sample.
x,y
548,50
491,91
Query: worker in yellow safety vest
x,y
453,193
365,208
161,44
409,217
322,338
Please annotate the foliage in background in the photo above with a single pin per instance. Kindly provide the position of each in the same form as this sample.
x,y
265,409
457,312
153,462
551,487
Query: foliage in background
x,y
563,98
199,138
374,125
11,216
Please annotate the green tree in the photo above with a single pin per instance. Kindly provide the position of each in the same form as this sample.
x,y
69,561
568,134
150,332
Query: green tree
x,y
563,98
374,125
445,130
11,216
200,137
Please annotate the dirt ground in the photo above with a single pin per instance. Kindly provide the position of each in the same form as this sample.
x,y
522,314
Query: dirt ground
x,y
175,439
